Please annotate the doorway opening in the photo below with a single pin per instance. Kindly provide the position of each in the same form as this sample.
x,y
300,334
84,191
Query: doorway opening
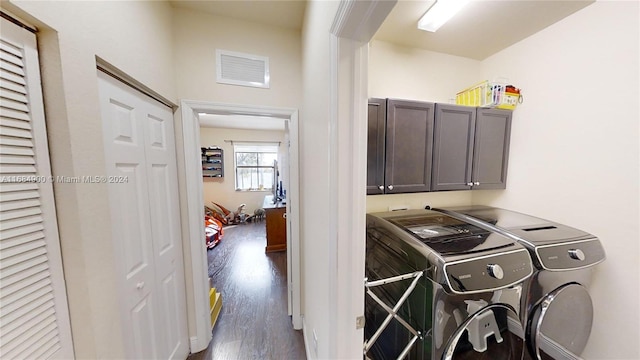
x,y
191,113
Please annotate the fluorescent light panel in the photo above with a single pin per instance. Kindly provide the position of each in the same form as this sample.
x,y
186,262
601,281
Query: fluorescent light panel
x,y
439,13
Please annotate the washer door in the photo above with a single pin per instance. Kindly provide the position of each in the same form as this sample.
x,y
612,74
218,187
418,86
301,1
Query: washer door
x,y
493,333
560,324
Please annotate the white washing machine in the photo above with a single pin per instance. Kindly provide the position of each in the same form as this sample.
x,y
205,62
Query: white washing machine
x,y
557,308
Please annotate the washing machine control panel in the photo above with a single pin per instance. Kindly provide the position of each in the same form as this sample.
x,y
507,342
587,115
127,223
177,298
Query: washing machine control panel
x,y
570,255
488,272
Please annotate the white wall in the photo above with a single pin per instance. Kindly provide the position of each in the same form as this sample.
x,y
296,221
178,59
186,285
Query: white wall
x,y
575,151
197,36
223,190
380,203
71,35
314,175
406,73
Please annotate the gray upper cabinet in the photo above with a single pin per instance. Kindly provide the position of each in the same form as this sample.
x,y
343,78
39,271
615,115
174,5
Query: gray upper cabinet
x,y
409,146
454,131
375,146
491,149
400,145
471,147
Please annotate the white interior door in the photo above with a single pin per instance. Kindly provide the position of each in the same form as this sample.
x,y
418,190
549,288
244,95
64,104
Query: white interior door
x,y
143,192
162,183
34,317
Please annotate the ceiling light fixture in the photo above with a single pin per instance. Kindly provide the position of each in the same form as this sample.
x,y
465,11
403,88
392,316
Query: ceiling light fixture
x,y
439,13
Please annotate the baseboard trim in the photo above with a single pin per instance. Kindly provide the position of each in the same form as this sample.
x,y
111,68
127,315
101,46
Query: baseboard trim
x,y
193,343
307,344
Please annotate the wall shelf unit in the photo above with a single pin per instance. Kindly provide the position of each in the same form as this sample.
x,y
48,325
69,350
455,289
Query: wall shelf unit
x,y
212,162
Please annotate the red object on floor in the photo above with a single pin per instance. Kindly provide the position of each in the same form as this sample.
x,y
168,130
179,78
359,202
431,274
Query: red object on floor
x,y
212,231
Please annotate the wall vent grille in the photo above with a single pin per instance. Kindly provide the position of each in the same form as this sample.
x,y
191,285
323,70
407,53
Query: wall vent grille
x,y
242,69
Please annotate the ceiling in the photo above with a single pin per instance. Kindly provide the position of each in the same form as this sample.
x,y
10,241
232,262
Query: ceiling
x,y
479,30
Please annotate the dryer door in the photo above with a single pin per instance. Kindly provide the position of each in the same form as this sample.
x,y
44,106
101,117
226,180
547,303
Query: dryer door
x,y
492,333
560,324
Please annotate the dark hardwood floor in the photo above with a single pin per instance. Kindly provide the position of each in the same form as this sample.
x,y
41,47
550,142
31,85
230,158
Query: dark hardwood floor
x,y
253,323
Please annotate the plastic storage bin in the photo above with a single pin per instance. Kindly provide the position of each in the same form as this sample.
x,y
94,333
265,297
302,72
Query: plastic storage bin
x,y
489,94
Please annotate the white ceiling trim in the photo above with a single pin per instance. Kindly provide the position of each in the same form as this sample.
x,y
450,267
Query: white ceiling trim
x,y
247,122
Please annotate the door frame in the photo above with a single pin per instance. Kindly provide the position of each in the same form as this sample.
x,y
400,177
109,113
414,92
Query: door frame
x,y
354,25
193,207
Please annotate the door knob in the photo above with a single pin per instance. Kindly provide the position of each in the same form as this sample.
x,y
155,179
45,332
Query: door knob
x,y
390,187
476,183
380,187
469,184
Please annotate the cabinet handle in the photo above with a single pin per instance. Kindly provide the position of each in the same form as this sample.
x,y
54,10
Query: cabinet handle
x,y
140,285
380,187
476,183
469,184
390,187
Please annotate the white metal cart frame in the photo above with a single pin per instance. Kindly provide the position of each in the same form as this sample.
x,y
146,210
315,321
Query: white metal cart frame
x,y
393,312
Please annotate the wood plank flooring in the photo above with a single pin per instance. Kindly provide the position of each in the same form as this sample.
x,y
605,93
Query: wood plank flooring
x,y
253,323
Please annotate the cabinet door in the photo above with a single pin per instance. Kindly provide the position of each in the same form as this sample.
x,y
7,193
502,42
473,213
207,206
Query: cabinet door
x,y
454,130
491,149
409,146
276,229
375,146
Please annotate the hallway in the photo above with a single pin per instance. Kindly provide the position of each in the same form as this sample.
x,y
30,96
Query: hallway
x,y
253,323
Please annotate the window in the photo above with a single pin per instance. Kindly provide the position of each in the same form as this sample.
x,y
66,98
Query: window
x,y
255,166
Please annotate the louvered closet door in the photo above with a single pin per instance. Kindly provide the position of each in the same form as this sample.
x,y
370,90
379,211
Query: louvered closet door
x,y
34,319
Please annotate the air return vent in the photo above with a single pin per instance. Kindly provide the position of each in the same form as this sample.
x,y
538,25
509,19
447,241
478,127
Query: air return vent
x,y
242,69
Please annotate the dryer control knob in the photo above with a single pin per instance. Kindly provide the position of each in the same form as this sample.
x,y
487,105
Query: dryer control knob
x,y
495,271
576,254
